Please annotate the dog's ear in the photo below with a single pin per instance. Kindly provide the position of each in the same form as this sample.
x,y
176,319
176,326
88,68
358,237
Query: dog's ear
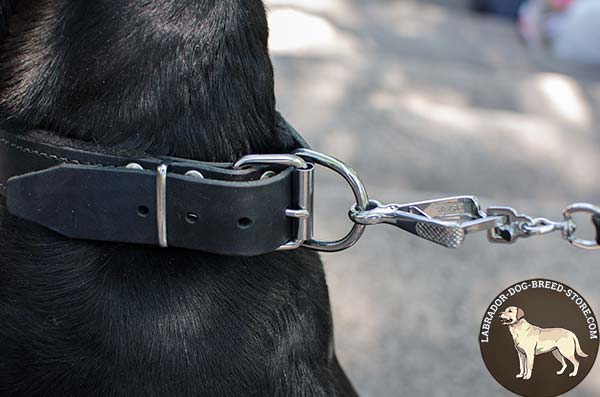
x,y
7,7
520,314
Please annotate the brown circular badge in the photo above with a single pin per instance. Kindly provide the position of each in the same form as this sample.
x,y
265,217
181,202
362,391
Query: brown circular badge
x,y
539,338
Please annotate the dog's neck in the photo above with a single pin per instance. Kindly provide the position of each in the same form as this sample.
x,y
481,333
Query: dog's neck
x,y
184,78
520,325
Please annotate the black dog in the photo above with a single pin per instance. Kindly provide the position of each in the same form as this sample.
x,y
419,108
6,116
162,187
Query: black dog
x,y
188,78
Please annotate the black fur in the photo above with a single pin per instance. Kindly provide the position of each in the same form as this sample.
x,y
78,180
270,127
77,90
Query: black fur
x,y
190,78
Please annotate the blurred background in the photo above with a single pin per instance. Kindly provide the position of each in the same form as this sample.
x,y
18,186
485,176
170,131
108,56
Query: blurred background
x,y
427,99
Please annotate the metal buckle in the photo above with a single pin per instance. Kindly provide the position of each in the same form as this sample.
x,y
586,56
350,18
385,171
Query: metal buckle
x,y
303,160
304,183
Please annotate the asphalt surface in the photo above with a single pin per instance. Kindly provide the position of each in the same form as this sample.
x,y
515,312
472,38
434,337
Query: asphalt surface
x,y
427,101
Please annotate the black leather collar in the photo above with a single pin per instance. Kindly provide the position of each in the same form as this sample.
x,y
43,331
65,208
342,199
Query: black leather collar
x,y
88,195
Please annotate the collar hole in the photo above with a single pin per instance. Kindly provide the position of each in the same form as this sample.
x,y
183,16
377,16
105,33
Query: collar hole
x,y
244,223
191,218
143,211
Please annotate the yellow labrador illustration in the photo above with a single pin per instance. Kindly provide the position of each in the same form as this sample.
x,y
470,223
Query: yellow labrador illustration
x,y
531,341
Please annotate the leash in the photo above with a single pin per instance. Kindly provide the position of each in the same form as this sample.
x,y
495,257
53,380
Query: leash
x,y
447,221
260,204
444,221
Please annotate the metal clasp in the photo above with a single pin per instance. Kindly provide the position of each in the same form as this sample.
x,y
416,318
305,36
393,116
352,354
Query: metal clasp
x,y
515,226
570,236
511,227
443,221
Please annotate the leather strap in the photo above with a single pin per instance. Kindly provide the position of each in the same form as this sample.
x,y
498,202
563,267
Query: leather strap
x,y
88,195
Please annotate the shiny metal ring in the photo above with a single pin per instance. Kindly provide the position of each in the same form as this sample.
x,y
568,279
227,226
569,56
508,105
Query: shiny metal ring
x,y
289,160
360,193
570,236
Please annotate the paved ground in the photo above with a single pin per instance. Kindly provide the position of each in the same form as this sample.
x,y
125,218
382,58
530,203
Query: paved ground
x,y
428,101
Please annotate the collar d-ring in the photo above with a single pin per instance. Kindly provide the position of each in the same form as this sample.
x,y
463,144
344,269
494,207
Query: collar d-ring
x,y
358,189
